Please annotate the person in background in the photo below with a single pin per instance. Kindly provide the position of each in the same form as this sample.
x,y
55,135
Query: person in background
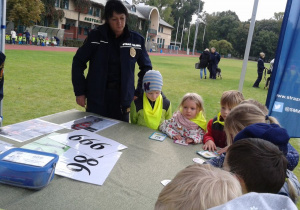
x,y
153,107
27,35
57,40
198,187
188,123
13,36
213,63
216,136
33,40
260,69
20,39
112,51
204,61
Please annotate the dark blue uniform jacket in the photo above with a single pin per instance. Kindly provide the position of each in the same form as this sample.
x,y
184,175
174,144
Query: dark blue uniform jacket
x,y
95,50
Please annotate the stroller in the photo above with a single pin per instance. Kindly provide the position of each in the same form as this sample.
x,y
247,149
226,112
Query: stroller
x,y
219,73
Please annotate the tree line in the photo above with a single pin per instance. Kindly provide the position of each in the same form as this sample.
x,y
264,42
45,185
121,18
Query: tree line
x,y
223,30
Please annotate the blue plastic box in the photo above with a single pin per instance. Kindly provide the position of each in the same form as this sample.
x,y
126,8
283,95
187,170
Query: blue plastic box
x,y
27,168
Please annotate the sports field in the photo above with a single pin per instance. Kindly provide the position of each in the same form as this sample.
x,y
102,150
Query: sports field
x,y
38,83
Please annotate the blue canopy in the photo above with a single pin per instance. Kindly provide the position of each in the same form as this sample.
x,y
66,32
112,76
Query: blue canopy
x,y
283,98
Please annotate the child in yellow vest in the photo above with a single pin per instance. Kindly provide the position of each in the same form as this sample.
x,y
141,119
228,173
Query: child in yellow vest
x,y
153,107
188,123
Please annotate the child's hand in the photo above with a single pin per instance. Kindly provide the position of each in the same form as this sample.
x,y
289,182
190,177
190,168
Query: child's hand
x,y
177,137
210,146
189,141
223,150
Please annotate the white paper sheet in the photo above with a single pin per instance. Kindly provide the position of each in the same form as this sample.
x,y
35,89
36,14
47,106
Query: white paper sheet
x,y
5,146
79,166
89,143
90,123
27,130
46,144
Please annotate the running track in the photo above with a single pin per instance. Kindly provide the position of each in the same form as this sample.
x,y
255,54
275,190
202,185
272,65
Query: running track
x,y
73,49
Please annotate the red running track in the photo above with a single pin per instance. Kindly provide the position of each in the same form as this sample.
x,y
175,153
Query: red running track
x,y
73,49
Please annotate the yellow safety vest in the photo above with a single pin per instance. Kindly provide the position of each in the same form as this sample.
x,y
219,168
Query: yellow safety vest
x,y
24,38
33,39
20,38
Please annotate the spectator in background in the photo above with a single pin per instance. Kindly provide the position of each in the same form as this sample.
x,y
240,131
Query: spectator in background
x,y
27,34
213,63
57,40
204,60
260,69
13,36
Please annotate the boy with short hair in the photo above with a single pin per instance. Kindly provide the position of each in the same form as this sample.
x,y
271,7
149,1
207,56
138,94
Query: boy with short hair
x,y
198,187
215,136
259,165
152,108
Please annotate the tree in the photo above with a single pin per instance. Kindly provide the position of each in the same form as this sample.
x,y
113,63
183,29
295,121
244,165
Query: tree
x,y
278,16
24,12
238,38
266,42
51,14
225,47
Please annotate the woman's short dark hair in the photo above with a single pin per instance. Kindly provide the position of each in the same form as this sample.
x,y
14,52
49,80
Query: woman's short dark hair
x,y
260,164
114,6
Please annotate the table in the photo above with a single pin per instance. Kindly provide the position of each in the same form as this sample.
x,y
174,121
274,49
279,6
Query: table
x,y
134,182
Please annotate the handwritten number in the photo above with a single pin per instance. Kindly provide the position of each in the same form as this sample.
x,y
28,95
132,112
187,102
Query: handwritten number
x,y
80,167
76,137
82,159
98,146
82,141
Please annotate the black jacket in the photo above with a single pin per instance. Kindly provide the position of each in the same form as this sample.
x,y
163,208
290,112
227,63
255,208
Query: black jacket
x,y
94,50
204,59
260,65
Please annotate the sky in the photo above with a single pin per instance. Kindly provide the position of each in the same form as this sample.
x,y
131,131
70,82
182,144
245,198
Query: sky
x,y
243,8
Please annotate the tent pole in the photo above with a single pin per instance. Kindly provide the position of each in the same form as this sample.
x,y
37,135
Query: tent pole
x,y
247,50
2,41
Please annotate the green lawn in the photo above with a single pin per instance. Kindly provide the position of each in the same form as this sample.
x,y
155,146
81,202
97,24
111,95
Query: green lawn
x,y
38,83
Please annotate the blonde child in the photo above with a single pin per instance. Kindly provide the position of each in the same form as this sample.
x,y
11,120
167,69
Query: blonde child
x,y
153,107
198,187
215,136
189,122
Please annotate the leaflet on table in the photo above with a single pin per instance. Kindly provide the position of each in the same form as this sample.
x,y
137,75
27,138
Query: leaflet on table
x,y
90,123
5,146
89,143
46,144
27,130
28,158
82,167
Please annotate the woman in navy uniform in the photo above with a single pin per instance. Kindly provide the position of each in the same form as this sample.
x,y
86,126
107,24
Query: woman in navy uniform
x,y
112,51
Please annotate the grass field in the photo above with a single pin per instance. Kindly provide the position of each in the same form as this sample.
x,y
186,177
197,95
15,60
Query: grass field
x,y
38,83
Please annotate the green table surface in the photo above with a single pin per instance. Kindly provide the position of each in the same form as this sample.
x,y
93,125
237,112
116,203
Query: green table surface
x,y
134,182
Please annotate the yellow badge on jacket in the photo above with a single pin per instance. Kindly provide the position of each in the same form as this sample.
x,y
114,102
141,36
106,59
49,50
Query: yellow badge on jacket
x,y
132,52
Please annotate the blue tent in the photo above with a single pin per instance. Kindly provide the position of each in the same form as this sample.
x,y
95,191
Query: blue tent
x,y
283,98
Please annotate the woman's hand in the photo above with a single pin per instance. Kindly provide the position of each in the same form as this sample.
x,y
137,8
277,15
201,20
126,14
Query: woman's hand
x,y
210,146
80,100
